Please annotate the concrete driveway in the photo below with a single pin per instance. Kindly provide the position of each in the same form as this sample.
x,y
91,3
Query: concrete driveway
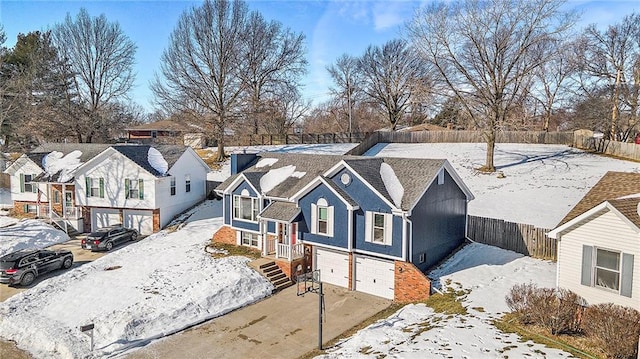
x,y
281,326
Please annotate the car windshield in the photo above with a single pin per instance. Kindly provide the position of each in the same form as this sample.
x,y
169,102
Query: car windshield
x,y
6,264
98,234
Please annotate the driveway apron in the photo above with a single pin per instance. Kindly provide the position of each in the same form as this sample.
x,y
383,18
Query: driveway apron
x,y
282,326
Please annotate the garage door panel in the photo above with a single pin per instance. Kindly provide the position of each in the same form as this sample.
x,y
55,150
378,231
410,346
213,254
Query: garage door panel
x,y
142,221
333,266
104,218
375,276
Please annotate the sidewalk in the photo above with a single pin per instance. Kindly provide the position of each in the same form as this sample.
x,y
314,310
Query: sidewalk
x,y
281,326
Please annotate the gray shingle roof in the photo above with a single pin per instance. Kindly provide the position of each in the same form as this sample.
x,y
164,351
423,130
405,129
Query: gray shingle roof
x,y
87,150
415,175
281,211
341,192
140,155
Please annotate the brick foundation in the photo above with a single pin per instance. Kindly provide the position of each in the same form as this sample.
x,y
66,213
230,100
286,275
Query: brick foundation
x,y
18,207
411,285
350,285
226,235
156,220
290,269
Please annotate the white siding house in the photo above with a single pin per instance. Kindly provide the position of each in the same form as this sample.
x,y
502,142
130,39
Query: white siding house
x,y
599,253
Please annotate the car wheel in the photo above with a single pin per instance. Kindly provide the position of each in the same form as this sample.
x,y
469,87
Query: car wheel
x,y
108,246
68,262
27,278
134,236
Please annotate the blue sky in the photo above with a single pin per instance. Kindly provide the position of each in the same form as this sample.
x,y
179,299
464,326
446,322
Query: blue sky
x,y
331,27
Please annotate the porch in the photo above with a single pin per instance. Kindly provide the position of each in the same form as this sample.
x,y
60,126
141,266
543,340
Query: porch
x,y
281,241
61,209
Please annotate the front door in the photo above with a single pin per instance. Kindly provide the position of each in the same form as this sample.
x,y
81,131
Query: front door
x,y
283,233
68,204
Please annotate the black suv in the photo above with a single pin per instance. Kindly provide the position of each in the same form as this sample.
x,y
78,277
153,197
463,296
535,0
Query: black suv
x,y
104,239
22,267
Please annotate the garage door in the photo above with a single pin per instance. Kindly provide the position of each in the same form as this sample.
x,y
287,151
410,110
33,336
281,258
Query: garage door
x,y
333,266
374,276
103,217
140,220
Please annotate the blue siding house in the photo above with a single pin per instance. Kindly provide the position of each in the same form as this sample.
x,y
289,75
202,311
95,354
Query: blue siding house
x,y
366,223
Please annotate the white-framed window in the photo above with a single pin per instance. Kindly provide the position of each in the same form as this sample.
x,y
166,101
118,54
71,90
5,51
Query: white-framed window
x,y
607,269
56,197
187,183
322,218
249,239
30,208
173,186
245,208
378,227
95,187
27,184
134,188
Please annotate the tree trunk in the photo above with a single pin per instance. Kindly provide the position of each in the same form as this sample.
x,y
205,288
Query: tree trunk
x,y
614,111
220,137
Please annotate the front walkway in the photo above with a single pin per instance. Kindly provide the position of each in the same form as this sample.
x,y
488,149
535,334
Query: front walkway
x,y
281,326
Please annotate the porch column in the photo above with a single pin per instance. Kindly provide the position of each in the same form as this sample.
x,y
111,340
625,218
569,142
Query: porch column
x,y
63,198
289,228
265,245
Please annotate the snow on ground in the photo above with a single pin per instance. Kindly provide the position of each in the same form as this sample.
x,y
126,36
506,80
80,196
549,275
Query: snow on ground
x,y
542,182
327,149
416,331
147,290
5,198
6,221
28,233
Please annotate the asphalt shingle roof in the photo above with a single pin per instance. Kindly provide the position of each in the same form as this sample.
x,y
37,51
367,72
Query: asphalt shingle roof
x,y
414,174
87,150
281,211
629,208
140,155
611,186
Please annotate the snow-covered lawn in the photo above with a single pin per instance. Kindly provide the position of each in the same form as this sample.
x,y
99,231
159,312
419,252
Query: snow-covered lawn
x,y
144,291
28,233
5,198
542,182
416,331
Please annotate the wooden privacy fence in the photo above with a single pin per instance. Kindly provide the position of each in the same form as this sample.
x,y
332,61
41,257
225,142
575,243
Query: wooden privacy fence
x,y
302,138
522,238
537,137
626,150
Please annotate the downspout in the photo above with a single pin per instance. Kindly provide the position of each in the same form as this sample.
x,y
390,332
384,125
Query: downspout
x,y
350,229
410,254
558,263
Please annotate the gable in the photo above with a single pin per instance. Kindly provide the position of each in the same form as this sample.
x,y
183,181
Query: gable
x,y
23,164
590,215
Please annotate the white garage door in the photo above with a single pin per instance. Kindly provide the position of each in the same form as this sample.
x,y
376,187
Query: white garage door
x,y
103,217
140,220
375,276
333,266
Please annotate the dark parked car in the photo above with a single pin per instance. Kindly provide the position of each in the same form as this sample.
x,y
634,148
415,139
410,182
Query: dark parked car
x,y
22,267
104,239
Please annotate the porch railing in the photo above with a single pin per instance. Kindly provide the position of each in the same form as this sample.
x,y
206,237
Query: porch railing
x,y
290,251
72,212
69,212
270,246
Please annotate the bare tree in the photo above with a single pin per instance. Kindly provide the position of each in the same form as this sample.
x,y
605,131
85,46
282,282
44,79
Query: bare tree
x,y
274,64
486,52
285,112
101,58
201,67
390,76
611,58
347,80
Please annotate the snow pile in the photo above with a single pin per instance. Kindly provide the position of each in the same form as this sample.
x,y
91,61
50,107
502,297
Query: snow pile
x,y
6,221
157,161
298,174
170,283
266,162
276,176
392,184
5,198
56,162
28,233
417,331
542,182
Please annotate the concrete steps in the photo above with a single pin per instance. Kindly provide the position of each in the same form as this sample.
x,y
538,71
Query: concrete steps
x,y
274,274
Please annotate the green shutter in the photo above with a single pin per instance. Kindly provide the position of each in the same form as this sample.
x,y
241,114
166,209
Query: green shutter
x,y
141,188
34,188
87,182
126,188
587,265
25,208
22,183
626,282
101,187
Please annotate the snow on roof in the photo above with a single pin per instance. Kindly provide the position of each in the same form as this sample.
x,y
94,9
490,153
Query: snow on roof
x,y
157,161
392,184
298,174
56,162
276,176
266,162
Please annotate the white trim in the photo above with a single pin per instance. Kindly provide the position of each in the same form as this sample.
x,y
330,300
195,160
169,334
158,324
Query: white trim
x,y
322,245
380,255
405,223
387,239
557,232
350,229
20,161
232,186
315,183
356,174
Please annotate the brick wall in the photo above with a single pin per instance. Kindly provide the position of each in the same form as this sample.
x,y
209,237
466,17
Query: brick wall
x,y
226,235
18,207
156,220
411,285
350,282
290,269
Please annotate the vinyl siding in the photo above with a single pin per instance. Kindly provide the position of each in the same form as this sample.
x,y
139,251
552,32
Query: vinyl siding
x,y
241,224
340,218
607,231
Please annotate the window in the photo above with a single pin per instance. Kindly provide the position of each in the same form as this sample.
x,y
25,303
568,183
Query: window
x,y
607,269
95,187
173,186
134,188
249,239
187,183
30,208
378,228
245,208
56,196
322,218
26,184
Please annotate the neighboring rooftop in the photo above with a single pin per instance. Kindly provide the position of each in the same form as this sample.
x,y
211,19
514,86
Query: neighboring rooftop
x,y
164,125
140,155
